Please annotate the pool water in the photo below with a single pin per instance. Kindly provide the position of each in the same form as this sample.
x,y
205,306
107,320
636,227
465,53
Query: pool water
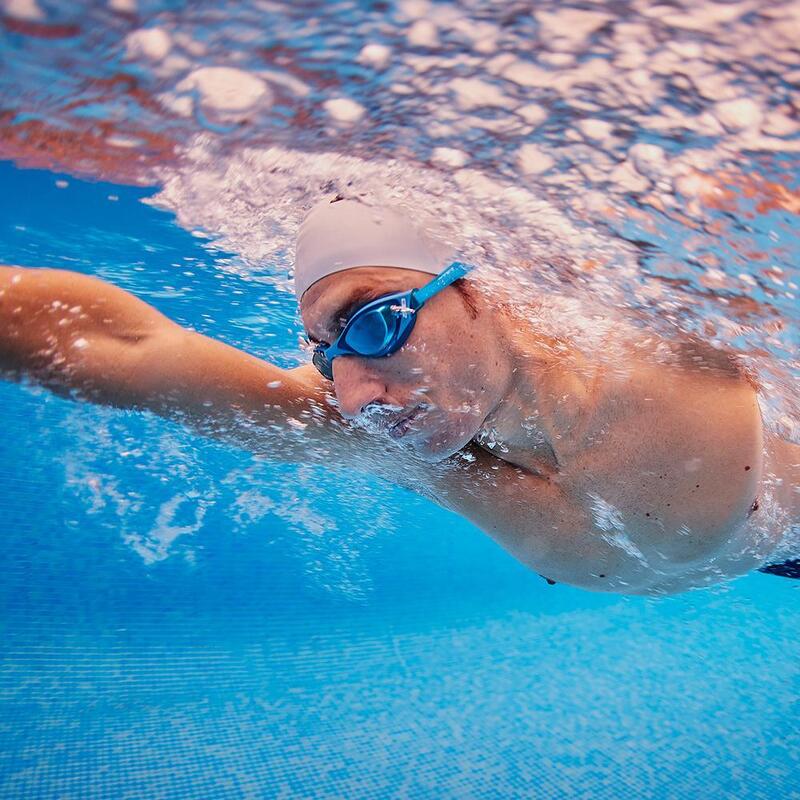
x,y
181,619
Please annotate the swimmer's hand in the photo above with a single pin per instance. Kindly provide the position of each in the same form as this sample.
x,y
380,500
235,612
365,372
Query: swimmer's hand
x,y
86,339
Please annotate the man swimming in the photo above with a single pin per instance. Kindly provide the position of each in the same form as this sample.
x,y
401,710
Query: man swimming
x,y
637,467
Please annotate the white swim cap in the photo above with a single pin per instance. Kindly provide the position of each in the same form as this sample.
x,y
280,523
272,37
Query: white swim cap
x,y
342,234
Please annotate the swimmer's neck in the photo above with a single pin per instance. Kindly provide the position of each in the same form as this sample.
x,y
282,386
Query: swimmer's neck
x,y
545,392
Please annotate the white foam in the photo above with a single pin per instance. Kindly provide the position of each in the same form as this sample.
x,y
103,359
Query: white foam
x,y
739,114
532,160
533,114
127,142
628,178
779,124
344,110
487,45
150,43
423,33
173,64
253,202
226,89
686,49
449,157
414,9
597,87
496,65
596,129
557,59
568,28
191,46
24,9
290,82
705,15
525,73
472,93
375,55
648,159
182,105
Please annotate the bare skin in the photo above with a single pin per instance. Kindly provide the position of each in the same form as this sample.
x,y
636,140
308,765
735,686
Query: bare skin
x,y
636,473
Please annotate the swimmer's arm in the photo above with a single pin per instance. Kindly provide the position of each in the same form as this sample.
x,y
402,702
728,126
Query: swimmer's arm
x,y
81,337
536,518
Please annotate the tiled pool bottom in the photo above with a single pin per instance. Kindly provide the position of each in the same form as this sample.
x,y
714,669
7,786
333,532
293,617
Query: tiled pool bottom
x,y
670,700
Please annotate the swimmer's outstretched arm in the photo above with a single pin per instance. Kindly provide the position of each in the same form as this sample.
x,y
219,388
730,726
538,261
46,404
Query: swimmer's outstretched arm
x,y
84,338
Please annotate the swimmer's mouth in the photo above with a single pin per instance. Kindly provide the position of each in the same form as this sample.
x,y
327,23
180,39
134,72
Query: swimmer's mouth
x,y
400,427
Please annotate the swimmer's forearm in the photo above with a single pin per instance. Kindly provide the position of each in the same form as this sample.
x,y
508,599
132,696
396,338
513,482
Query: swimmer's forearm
x,y
226,393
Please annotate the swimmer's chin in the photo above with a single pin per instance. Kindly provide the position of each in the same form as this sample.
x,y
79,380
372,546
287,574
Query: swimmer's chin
x,y
437,448
432,437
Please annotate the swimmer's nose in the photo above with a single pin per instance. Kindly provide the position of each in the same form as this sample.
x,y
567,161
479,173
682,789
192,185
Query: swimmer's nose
x,y
356,387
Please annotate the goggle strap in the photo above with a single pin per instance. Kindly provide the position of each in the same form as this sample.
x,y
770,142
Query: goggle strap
x,y
455,271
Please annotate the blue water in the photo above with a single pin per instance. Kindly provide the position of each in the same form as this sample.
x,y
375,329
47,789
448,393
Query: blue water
x,y
175,626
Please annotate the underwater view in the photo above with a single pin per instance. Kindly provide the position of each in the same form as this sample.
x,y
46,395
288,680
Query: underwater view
x,y
271,529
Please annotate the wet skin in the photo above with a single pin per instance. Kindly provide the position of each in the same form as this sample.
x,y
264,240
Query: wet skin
x,y
635,473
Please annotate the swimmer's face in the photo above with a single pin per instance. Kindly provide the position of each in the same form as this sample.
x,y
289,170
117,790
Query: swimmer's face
x,y
434,393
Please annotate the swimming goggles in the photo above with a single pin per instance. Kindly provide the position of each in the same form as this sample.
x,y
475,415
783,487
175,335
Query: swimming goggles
x,y
381,327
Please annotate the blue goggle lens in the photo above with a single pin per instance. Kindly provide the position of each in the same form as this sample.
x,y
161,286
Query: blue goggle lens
x,y
371,332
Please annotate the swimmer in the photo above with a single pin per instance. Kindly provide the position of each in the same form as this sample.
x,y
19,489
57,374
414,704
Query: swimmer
x,y
647,473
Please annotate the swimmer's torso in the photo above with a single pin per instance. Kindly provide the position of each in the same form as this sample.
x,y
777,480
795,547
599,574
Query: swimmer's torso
x,y
659,468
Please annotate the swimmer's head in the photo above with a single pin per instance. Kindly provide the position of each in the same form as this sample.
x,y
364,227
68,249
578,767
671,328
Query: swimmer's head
x,y
435,392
